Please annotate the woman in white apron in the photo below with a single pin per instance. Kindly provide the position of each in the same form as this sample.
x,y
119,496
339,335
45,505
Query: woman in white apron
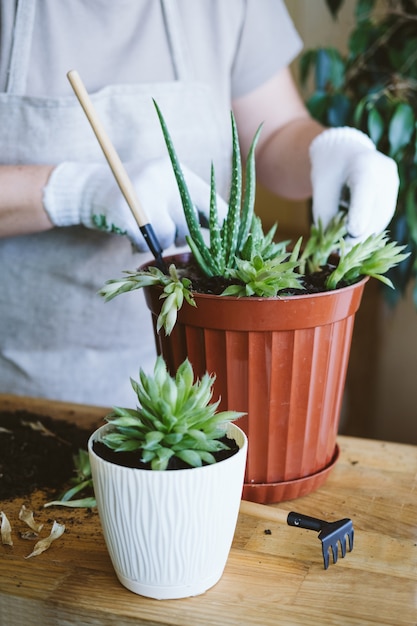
x,y
58,338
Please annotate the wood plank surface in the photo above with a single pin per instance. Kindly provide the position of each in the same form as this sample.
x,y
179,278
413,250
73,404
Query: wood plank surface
x,y
270,579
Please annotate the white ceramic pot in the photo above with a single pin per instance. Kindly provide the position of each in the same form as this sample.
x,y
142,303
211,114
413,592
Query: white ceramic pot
x,y
169,533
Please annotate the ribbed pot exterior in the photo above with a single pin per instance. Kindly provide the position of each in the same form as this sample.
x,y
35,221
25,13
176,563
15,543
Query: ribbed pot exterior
x,y
169,533
284,362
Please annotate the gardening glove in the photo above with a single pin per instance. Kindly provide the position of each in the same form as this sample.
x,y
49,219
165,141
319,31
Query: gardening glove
x,y
87,194
346,157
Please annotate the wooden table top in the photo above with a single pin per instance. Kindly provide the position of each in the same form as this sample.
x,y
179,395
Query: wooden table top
x,y
270,579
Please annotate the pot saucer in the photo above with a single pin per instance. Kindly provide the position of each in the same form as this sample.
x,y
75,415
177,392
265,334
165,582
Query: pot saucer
x,y
268,493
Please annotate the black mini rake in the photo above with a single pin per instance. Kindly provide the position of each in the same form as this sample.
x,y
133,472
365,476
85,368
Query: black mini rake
x,y
331,534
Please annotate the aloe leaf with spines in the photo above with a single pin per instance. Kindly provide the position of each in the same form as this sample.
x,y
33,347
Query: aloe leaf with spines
x,y
175,418
240,216
248,206
231,224
214,226
195,239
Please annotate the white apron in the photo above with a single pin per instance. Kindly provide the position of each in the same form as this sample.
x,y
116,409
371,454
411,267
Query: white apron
x,y
58,338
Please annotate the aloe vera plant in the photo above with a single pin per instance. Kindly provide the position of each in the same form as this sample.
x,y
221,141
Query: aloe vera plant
x,y
228,239
175,418
252,262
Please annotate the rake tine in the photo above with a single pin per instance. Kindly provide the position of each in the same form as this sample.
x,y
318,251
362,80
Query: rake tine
x,y
326,547
335,552
343,546
326,559
351,535
334,534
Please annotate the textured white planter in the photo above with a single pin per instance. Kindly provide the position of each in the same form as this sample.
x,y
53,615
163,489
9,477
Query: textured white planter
x,y
169,533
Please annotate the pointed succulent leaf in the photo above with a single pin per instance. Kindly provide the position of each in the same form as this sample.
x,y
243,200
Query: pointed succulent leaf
x,y
249,194
173,439
198,435
206,457
147,456
206,268
189,210
152,439
185,374
233,215
161,459
216,247
118,442
125,420
191,457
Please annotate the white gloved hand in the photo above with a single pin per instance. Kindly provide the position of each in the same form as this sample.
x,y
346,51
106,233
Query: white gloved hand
x,y
346,156
87,194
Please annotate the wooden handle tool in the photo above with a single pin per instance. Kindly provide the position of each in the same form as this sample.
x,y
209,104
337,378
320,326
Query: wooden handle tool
x,y
117,167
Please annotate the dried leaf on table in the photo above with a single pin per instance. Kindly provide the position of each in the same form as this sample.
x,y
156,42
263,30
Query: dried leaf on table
x,y
6,530
43,544
29,535
26,515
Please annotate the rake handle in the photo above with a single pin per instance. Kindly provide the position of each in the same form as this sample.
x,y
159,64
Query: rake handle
x,y
262,511
274,514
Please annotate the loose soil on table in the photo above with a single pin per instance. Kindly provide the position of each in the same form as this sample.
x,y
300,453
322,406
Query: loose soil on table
x,y
36,452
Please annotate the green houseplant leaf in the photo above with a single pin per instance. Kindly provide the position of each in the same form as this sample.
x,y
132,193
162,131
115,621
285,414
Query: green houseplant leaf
x,y
375,125
379,96
401,127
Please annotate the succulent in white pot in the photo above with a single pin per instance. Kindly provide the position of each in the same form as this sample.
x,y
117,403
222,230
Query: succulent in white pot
x,y
168,480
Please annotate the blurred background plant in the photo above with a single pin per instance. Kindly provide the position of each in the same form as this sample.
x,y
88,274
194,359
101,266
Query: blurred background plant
x,y
373,87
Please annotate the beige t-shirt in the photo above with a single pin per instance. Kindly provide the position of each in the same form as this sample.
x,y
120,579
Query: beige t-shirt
x,y
234,45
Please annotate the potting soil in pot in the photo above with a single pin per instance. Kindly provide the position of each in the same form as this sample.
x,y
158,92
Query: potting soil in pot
x,y
215,285
132,459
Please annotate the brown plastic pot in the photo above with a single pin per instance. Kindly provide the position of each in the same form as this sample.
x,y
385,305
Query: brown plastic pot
x,y
283,361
